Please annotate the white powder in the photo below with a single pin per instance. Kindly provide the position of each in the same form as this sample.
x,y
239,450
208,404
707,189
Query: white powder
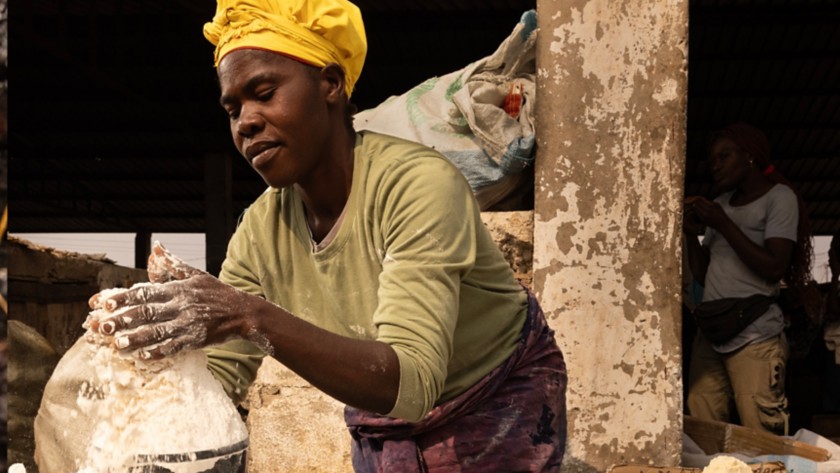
x,y
727,464
169,406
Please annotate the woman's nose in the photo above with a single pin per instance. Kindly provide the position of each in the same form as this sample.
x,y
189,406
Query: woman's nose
x,y
249,121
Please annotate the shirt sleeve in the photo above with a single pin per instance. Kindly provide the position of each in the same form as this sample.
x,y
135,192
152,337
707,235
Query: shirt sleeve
x,y
240,268
429,227
234,364
782,215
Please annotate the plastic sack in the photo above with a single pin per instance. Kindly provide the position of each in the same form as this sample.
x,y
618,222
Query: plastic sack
x,y
480,117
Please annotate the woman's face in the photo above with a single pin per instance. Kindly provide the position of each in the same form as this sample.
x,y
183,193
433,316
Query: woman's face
x,y
730,165
278,114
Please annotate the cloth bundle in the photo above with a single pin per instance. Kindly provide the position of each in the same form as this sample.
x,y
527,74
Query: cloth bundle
x,y
480,117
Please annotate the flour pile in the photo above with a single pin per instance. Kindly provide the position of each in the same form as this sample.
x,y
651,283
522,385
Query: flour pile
x,y
726,464
141,408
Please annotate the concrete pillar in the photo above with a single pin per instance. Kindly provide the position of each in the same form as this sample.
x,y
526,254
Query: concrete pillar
x,y
611,114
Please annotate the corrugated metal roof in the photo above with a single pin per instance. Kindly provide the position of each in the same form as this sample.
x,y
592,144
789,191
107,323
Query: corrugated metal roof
x,y
113,106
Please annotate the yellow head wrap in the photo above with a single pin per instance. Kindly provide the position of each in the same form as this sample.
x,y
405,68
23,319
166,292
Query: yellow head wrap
x,y
317,32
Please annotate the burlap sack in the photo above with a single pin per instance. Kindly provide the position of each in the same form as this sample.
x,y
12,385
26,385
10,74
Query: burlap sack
x,y
62,431
480,117
31,363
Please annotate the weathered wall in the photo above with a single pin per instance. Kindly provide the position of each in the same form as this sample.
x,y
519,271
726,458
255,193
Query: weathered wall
x,y
296,428
48,301
49,289
611,103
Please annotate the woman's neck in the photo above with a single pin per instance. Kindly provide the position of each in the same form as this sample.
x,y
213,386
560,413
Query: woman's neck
x,y
755,186
325,195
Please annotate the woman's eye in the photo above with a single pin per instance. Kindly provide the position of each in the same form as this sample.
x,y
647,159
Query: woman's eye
x,y
233,113
265,96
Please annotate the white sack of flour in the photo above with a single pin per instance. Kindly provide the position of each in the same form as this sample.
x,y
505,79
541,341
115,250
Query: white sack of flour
x,y
102,410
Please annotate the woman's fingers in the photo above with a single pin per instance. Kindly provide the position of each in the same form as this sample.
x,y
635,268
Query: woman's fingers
x,y
165,349
145,336
691,200
139,295
702,209
155,267
94,301
163,266
161,319
133,317
138,306
160,340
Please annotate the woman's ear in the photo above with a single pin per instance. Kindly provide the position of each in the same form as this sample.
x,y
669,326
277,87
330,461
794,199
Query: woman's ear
x,y
332,77
749,157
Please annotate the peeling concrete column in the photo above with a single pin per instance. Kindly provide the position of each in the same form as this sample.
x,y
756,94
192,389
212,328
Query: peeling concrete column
x,y
611,102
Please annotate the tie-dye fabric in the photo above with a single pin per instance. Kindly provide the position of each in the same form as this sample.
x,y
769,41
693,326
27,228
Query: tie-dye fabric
x,y
513,419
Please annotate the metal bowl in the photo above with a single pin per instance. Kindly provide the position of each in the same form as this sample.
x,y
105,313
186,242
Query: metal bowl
x,y
229,459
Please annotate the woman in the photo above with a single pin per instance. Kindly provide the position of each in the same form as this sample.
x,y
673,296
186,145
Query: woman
x,y
757,234
831,332
365,267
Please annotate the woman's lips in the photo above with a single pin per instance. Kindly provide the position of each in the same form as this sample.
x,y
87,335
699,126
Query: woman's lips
x,y
263,157
260,152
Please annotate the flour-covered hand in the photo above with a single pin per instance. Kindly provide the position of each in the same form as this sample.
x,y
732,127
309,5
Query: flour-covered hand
x,y
162,319
163,266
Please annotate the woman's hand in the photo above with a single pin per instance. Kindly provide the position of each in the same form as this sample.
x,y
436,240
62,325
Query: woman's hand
x,y
163,319
163,266
184,308
701,211
691,223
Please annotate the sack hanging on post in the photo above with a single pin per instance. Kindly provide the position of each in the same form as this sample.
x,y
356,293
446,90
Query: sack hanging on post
x,y
720,320
480,117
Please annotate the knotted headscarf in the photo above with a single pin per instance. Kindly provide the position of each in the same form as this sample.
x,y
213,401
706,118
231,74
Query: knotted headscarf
x,y
316,32
750,139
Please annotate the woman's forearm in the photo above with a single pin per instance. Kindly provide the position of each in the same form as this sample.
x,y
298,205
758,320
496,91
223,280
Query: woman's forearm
x,y
361,373
769,261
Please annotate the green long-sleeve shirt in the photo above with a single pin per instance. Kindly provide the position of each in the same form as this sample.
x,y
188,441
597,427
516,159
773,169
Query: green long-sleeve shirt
x,y
410,264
